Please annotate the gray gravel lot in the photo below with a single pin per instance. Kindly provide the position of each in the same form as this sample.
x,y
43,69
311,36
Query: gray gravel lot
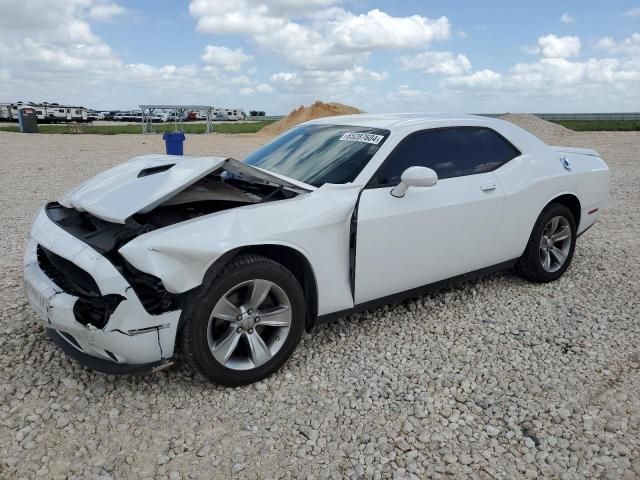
x,y
494,379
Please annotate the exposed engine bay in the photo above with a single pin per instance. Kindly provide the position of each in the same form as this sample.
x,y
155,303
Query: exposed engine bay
x,y
218,191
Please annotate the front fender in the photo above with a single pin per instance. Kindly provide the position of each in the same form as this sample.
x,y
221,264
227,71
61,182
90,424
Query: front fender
x,y
314,224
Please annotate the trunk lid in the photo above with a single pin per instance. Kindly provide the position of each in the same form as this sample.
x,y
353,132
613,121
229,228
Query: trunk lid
x,y
144,182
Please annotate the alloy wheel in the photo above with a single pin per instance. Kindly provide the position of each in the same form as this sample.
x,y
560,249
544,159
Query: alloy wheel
x,y
249,324
555,244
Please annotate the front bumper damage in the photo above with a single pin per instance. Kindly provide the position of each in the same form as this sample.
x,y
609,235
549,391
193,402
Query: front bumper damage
x,y
132,340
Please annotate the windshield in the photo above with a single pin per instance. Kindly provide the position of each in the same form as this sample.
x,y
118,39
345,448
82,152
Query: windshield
x,y
319,154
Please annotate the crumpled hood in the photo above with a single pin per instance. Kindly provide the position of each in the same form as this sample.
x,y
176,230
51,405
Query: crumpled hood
x,y
144,182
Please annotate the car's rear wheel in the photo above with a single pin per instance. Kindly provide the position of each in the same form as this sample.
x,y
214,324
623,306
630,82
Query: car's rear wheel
x,y
244,324
551,245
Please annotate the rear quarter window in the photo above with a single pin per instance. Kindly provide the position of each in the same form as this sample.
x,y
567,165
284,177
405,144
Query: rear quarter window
x,y
494,148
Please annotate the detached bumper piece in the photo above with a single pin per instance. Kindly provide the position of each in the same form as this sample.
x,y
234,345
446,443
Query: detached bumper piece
x,y
69,346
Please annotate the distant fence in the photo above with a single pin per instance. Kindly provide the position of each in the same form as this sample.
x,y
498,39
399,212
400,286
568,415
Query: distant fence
x,y
544,116
265,118
589,116
577,116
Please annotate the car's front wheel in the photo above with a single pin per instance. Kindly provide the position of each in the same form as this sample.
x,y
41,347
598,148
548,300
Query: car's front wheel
x,y
551,245
245,324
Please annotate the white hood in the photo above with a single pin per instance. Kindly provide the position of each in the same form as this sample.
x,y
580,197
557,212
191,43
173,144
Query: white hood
x,y
143,183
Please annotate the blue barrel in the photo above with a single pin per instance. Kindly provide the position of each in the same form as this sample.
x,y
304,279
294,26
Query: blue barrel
x,y
173,142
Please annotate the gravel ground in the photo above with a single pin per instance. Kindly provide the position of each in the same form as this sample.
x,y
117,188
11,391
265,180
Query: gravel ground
x,y
494,379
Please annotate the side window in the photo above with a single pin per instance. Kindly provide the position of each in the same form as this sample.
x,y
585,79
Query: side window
x,y
495,150
451,153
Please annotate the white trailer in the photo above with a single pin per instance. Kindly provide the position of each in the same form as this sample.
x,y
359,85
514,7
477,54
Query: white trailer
x,y
45,112
5,112
231,114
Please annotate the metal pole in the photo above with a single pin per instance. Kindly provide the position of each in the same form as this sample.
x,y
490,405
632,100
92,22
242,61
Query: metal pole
x,y
151,110
144,120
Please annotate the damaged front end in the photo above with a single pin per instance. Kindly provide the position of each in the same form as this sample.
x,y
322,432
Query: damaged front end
x,y
97,304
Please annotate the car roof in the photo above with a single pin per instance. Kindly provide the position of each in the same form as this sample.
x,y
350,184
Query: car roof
x,y
398,120
403,124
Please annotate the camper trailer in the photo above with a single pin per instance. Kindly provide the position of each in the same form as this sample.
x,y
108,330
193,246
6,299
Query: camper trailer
x,y
75,114
229,114
9,111
46,112
5,112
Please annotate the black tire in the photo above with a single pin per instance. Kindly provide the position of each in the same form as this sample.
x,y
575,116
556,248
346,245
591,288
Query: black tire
x,y
530,265
193,341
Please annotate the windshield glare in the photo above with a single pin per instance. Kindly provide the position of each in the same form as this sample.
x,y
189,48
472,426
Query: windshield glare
x,y
319,154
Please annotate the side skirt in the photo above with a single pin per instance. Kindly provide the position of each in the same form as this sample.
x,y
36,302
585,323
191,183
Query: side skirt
x,y
415,292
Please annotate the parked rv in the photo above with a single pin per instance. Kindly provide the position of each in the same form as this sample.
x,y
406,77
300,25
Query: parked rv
x,y
229,114
46,112
5,112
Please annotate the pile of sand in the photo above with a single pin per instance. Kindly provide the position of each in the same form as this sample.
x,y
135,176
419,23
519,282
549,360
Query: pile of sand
x,y
549,132
303,114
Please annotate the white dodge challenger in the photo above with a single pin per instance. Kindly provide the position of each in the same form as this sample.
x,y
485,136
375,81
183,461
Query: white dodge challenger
x,y
228,262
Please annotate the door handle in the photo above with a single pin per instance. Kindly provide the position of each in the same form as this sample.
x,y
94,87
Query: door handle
x,y
488,187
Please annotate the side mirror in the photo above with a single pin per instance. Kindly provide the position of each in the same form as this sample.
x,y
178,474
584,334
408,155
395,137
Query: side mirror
x,y
415,177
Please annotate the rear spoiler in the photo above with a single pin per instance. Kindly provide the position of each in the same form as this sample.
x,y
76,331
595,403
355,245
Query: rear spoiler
x,y
581,151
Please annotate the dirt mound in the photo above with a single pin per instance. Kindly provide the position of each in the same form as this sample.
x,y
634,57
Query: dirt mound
x,y
303,114
549,132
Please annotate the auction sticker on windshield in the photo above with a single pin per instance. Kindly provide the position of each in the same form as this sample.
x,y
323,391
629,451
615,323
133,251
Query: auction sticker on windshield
x,y
362,137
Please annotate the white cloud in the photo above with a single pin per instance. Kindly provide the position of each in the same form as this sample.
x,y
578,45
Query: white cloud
x,y
264,88
105,11
237,80
481,79
247,91
322,81
552,46
557,75
50,43
404,92
306,48
628,46
249,16
228,59
605,43
546,73
566,18
634,12
68,62
220,17
446,63
553,76
329,39
379,30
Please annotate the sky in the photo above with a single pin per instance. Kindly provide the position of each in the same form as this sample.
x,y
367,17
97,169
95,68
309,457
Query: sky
x,y
484,56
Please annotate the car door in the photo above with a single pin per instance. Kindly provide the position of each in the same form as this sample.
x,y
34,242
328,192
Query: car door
x,y
432,233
